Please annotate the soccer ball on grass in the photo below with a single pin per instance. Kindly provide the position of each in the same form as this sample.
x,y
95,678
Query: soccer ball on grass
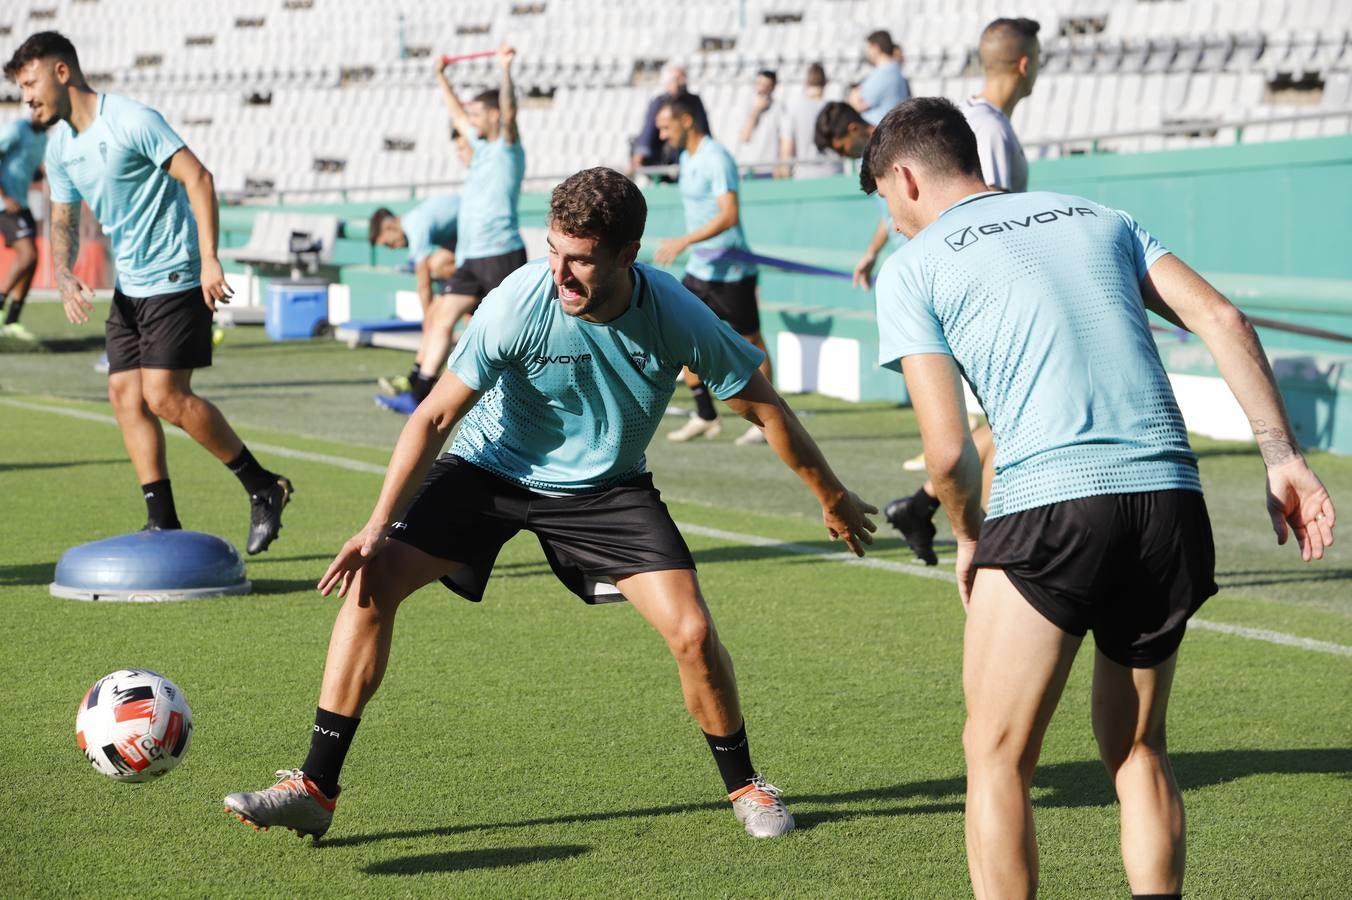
x,y
134,725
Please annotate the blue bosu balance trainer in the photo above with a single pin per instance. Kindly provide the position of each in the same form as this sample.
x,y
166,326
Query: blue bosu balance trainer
x,y
149,567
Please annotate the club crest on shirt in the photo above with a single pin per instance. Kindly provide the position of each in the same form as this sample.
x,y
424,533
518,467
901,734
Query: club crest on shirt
x,y
103,150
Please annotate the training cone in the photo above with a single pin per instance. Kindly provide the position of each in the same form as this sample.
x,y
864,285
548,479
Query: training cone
x,y
151,567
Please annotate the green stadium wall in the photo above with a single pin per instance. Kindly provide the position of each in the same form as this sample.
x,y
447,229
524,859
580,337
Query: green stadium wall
x,y
1270,224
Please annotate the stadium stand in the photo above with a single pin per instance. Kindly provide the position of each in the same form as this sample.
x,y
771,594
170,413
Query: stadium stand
x,y
318,95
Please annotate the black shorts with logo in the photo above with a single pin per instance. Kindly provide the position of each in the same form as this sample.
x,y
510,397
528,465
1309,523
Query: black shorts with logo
x,y
732,301
168,331
465,514
476,277
17,226
1132,568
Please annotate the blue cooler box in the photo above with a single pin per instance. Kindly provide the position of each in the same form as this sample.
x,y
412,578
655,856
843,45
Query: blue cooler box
x,y
296,309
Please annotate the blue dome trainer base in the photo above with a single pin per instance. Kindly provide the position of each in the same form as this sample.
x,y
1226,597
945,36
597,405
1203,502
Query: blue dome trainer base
x,y
150,567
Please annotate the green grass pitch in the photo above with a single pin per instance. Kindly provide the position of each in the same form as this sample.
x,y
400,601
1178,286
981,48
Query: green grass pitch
x,y
533,746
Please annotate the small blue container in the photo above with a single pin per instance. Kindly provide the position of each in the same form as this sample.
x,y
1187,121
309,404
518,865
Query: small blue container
x,y
150,566
296,310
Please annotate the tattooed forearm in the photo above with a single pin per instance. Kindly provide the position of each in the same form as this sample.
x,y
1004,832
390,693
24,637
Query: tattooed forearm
x,y
65,238
1274,443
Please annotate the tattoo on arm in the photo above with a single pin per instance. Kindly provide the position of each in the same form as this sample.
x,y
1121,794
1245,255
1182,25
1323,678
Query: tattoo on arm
x,y
65,237
1274,443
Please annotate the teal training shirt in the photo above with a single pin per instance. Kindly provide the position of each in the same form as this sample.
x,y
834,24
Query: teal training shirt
x,y
1038,298
430,225
707,174
117,165
21,149
488,201
570,405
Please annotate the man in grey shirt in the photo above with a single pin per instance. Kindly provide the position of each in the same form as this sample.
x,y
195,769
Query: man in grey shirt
x,y
1009,54
798,128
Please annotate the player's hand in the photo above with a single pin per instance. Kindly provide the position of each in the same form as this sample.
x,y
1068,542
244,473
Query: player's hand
x,y
214,287
1298,500
760,104
668,250
360,549
12,205
965,571
863,273
77,299
506,54
846,518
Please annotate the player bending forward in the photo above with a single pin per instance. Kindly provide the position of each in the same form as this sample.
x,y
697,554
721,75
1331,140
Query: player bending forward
x,y
1096,519
561,380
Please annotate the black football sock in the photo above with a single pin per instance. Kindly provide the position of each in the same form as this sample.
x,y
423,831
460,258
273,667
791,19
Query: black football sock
x,y
15,307
329,743
420,386
704,403
253,476
925,502
733,756
160,512
413,372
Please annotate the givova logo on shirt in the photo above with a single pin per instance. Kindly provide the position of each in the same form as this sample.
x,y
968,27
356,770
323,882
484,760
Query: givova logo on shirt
x,y
966,237
566,359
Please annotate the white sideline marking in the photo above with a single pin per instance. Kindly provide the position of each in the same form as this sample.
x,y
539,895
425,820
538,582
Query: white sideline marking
x,y
750,540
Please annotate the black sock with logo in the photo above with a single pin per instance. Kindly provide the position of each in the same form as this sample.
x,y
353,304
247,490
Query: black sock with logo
x,y
329,742
160,511
15,307
704,402
413,372
925,503
250,473
420,386
733,756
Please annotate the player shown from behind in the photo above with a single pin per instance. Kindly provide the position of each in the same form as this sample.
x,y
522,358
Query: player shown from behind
x,y
22,143
489,244
158,207
561,380
708,184
1096,519
428,232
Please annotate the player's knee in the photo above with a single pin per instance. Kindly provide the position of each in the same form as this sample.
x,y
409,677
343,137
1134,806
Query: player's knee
x,y
25,255
166,402
993,744
693,641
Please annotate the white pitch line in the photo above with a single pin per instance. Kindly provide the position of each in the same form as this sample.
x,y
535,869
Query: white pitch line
x,y
750,540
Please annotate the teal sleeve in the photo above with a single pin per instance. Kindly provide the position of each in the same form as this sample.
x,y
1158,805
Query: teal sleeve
x,y
907,322
60,186
724,360
723,176
147,131
489,344
9,138
1145,249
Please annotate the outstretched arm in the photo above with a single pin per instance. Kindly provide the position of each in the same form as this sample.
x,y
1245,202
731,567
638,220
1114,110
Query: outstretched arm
x,y
75,295
863,270
729,214
843,513
459,118
419,443
1296,497
188,170
507,96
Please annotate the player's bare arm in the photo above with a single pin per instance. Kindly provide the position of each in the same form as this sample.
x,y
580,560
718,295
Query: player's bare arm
x,y
459,118
951,457
419,443
1296,499
843,513
187,169
75,294
422,273
729,215
507,96
863,270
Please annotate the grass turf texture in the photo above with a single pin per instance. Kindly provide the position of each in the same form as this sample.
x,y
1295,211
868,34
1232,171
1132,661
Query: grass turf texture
x,y
534,746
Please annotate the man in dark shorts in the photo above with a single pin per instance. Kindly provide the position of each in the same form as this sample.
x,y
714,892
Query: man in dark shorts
x,y
1096,519
22,143
713,272
488,243
561,379
158,206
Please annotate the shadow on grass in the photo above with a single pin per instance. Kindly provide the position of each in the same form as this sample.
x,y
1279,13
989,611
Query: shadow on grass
x,y
82,344
1264,577
27,574
1075,784
52,464
266,586
464,860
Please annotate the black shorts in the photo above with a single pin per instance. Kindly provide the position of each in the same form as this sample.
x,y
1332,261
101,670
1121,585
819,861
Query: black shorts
x,y
17,226
476,277
732,301
169,331
1131,567
465,514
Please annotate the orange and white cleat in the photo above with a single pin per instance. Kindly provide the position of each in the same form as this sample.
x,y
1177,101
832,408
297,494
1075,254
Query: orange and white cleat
x,y
294,802
760,810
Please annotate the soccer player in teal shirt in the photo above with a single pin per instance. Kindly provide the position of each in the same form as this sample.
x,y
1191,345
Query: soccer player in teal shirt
x,y
489,244
157,204
558,386
708,183
22,143
1096,519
